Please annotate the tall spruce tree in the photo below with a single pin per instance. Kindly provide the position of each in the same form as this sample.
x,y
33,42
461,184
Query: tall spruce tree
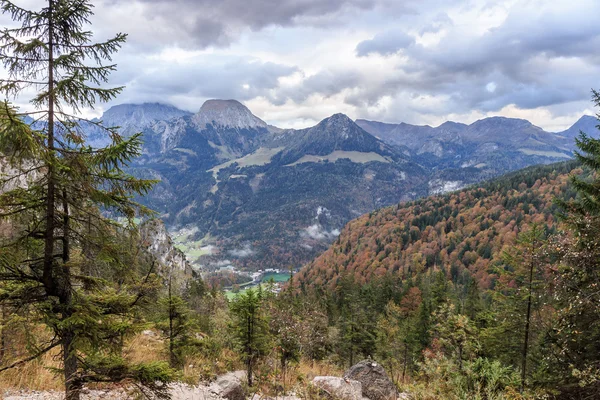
x,y
520,292
250,328
64,260
578,276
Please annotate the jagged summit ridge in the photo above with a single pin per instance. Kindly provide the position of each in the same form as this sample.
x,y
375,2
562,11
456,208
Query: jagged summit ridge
x,y
227,113
140,114
340,123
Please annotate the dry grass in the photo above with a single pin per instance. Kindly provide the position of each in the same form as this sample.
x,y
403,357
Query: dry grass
x,y
145,347
308,370
36,375
40,374
150,346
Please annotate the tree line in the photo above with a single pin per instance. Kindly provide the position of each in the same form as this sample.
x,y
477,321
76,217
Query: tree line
x,y
490,292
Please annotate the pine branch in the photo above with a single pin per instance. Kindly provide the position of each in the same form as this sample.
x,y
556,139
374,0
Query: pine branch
x,y
30,358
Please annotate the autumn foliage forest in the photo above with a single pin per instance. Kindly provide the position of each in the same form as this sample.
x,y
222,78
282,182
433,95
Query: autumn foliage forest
x,y
463,233
476,294
487,293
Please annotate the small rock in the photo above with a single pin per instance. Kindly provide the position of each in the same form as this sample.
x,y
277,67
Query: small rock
x,y
339,388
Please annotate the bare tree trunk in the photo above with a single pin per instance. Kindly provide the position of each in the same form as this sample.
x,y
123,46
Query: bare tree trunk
x,y
249,371
283,363
3,335
172,358
527,324
250,349
49,238
72,386
405,362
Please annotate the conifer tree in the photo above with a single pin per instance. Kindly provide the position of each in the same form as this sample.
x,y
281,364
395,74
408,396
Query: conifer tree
x,y
396,338
520,291
64,259
179,327
250,328
456,333
578,275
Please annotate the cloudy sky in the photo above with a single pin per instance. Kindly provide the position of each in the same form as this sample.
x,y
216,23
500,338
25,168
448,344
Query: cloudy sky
x,y
294,62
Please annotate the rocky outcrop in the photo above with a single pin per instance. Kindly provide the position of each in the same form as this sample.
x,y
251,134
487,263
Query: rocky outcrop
x,y
173,264
17,176
339,388
229,386
226,113
376,384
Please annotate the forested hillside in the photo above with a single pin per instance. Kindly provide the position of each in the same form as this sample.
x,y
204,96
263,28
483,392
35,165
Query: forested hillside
x,y
463,233
489,293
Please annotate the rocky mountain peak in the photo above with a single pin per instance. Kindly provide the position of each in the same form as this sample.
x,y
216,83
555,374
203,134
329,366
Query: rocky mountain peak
x,y
139,115
586,123
339,125
227,113
451,125
502,121
338,119
173,263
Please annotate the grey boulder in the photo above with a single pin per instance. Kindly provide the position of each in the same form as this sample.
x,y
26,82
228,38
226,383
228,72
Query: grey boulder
x,y
376,384
339,388
229,386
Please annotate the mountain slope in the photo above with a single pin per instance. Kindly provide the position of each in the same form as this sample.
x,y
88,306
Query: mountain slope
x,y
131,118
461,232
460,154
251,195
587,124
259,196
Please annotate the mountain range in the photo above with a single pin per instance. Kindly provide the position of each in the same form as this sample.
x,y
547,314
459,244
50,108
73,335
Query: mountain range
x,y
464,233
240,192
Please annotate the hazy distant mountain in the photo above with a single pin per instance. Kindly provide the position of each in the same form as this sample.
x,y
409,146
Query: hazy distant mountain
x,y
587,124
253,195
459,154
131,118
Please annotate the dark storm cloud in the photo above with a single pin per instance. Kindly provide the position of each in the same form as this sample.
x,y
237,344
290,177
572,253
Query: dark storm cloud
x,y
437,60
385,43
201,23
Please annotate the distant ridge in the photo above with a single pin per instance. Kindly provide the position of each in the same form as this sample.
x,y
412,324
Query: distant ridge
x,y
227,113
283,195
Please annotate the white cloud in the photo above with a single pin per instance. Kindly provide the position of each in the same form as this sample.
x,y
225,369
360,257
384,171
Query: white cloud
x,y
243,252
293,63
317,232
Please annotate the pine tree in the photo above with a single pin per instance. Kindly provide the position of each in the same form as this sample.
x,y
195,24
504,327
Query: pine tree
x,y
578,275
456,333
397,340
522,291
286,329
64,257
250,328
179,327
